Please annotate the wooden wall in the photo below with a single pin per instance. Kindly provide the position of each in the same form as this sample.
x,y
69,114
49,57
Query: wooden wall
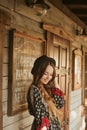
x,y
75,106
22,120
1,55
31,24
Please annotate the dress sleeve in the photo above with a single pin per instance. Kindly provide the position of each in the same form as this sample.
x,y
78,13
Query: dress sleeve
x,y
40,114
58,97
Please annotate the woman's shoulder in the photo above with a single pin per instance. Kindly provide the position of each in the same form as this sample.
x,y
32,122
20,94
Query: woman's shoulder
x,y
34,89
35,92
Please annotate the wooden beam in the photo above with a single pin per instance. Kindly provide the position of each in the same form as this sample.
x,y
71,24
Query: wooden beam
x,y
5,17
74,1
75,6
82,15
58,31
58,4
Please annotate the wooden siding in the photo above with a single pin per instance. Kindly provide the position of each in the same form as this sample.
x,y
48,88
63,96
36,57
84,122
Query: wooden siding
x,y
1,66
75,110
22,120
27,24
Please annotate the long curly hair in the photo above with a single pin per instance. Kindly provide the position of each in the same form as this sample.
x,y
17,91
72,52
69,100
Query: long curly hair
x,y
53,111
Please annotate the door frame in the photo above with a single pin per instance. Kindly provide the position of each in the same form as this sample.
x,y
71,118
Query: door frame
x,y
50,53
60,32
84,50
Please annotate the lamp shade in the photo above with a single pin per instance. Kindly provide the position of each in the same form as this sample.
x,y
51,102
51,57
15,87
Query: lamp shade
x,y
38,3
40,6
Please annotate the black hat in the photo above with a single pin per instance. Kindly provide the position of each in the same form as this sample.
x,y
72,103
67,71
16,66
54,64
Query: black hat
x,y
40,61
52,60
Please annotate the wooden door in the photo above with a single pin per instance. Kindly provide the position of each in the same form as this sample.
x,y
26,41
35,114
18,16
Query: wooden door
x,y
58,48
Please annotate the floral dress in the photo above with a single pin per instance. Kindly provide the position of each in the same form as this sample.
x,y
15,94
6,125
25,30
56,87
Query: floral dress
x,y
38,108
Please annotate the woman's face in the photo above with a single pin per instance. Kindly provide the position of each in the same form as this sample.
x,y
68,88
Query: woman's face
x,y
47,76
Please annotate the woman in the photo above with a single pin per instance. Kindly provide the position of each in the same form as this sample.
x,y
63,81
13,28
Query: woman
x,y
44,99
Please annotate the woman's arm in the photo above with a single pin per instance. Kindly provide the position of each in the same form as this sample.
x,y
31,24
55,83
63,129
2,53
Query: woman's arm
x,y
58,97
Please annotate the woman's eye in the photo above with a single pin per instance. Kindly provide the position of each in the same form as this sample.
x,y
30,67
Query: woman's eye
x,y
48,74
45,74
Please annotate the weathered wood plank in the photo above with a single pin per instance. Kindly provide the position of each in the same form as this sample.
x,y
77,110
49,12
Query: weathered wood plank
x,y
58,31
75,92
77,126
4,95
5,83
5,17
19,125
1,71
5,57
4,105
76,98
75,110
5,70
74,114
7,4
22,118
24,22
75,105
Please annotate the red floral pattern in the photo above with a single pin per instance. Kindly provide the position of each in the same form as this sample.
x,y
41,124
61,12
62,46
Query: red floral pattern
x,y
45,123
57,92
